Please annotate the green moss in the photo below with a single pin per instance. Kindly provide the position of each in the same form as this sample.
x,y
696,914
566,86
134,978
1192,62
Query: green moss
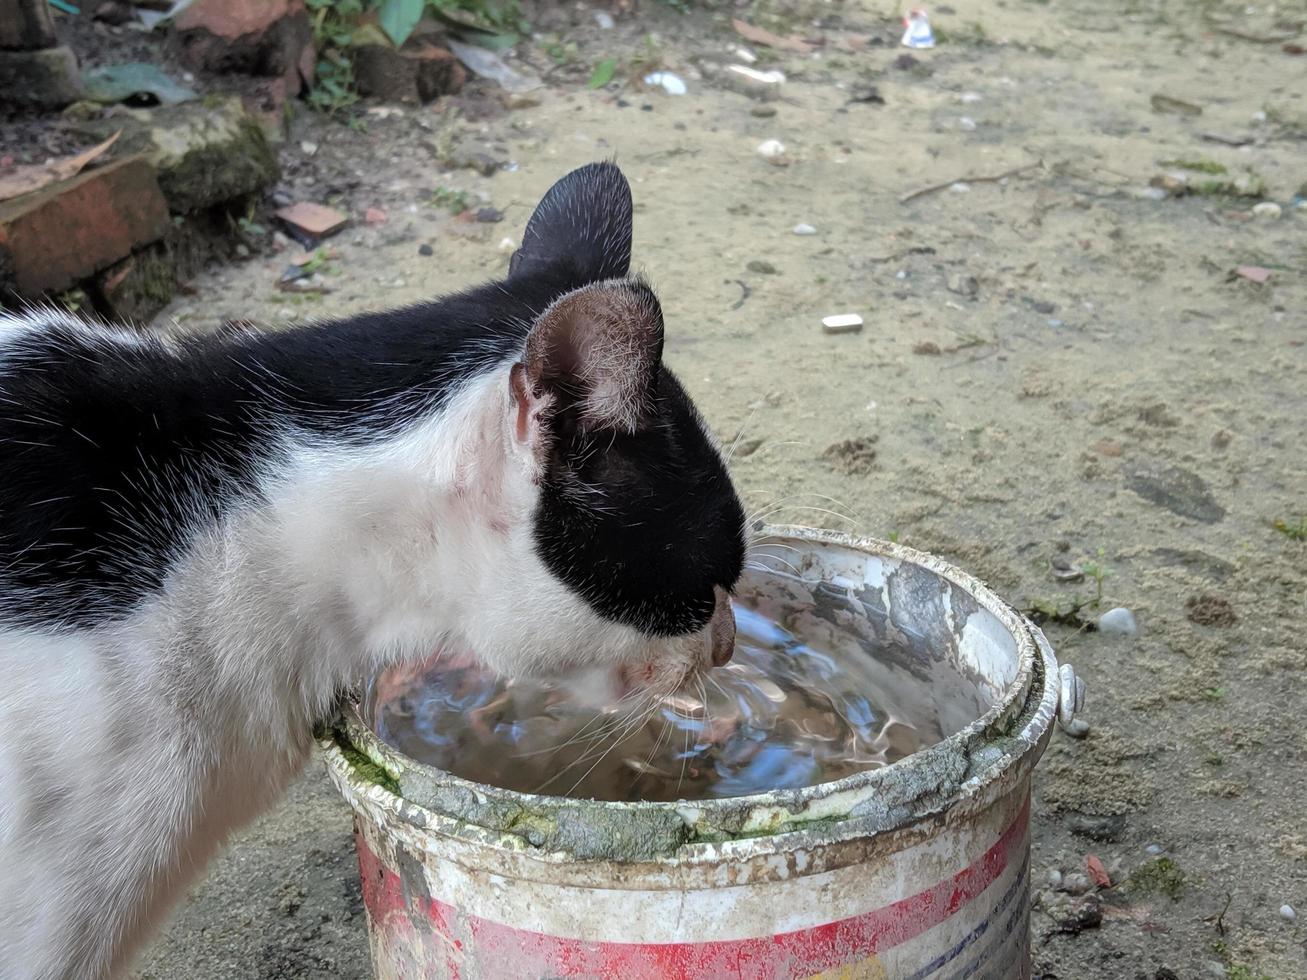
x,y
1160,876
1198,166
220,170
367,769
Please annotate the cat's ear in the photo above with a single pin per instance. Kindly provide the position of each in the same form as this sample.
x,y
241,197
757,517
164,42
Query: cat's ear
x,y
598,348
581,226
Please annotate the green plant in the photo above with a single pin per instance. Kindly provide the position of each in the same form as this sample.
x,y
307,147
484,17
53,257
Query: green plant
x,y
1098,573
560,52
1160,876
340,25
603,73
1294,532
455,201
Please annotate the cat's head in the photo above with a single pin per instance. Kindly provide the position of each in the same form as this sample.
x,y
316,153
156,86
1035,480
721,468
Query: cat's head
x,y
634,520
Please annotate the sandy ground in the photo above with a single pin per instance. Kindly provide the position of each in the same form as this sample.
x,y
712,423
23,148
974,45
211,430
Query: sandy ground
x,y
1053,367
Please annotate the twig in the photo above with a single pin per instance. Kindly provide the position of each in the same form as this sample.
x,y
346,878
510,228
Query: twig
x,y
1256,38
745,291
990,179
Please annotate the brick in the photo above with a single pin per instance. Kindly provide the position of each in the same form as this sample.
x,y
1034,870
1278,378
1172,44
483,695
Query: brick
x,y
418,74
60,235
269,38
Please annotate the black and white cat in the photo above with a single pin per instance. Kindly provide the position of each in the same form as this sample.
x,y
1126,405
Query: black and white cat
x,y
203,541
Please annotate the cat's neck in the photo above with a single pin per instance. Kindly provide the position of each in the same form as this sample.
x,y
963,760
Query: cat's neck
x,y
351,559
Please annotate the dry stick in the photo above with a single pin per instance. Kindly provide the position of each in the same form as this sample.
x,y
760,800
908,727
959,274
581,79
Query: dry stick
x,y
994,179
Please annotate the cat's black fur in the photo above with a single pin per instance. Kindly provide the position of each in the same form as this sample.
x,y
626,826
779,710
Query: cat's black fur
x,y
111,462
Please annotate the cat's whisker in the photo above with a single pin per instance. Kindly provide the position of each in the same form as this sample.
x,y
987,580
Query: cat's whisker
x,y
730,453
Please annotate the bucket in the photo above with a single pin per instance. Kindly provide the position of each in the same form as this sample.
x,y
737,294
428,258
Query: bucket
x,y
915,870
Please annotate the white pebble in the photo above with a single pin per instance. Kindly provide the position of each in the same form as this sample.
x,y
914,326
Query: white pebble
x,y
804,229
745,55
1119,620
309,147
1054,878
1267,209
966,123
970,97
771,149
605,20
1154,849
507,244
841,323
960,187
1287,911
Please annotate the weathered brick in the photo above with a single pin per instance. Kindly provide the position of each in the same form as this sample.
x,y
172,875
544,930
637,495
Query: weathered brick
x,y
67,232
418,73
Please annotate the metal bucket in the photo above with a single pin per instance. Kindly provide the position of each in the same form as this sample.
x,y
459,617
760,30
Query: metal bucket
x,y
915,870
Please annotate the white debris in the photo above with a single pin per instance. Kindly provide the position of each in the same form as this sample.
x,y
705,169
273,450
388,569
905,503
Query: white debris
x,y
841,323
668,82
804,229
771,149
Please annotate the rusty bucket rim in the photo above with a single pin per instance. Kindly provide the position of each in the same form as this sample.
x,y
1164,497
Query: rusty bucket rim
x,y
1022,718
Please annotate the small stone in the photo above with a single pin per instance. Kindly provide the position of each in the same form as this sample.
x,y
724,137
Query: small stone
x,y
763,111
959,187
1107,447
1077,728
1221,439
927,348
1267,209
841,323
967,286
605,20
242,250
1109,829
489,216
966,124
1154,849
1078,914
803,228
1288,912
308,147
761,267
1151,194
1119,620
970,97
426,250
112,12
771,149
1054,878
1076,884
374,216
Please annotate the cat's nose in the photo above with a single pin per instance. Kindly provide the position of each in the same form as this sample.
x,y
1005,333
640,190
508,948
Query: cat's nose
x,y
721,628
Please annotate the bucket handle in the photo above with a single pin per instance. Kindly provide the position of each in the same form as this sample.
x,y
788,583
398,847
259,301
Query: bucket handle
x,y
1071,695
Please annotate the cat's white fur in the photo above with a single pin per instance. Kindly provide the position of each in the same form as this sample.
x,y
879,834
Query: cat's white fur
x,y
129,752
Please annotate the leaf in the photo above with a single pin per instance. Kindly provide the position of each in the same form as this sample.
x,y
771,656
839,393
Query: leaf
x,y
24,180
366,34
1096,871
603,73
760,35
399,17
117,83
493,42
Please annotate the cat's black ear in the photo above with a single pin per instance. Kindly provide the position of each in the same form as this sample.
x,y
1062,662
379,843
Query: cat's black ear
x,y
599,348
581,226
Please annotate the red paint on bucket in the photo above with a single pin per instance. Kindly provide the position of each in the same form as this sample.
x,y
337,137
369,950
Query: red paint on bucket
x,y
520,953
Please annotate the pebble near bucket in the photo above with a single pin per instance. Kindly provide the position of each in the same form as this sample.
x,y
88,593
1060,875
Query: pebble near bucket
x,y
915,870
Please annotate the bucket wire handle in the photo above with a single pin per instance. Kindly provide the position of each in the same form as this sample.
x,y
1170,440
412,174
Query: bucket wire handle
x,y
1071,695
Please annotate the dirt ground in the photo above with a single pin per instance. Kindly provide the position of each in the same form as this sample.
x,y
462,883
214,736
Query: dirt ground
x,y
1058,366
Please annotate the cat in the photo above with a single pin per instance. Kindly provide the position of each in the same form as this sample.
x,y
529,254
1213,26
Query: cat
x,y
203,541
